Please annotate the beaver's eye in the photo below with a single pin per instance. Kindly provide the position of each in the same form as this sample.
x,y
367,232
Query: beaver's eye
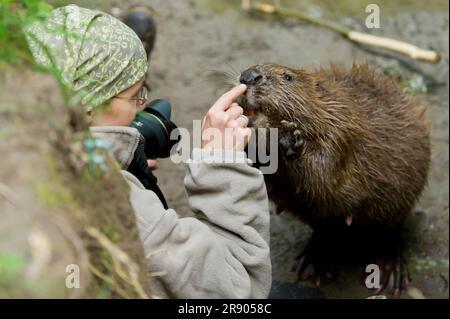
x,y
288,77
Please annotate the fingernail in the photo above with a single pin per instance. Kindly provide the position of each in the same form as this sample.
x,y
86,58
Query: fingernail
x,y
242,86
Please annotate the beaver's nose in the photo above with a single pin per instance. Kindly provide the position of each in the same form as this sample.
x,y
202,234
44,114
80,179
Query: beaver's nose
x,y
251,77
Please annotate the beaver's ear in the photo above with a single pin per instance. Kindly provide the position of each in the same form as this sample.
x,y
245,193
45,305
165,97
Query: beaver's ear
x,y
303,75
320,89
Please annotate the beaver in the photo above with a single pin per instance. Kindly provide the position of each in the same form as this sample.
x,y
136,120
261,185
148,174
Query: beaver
x,y
354,153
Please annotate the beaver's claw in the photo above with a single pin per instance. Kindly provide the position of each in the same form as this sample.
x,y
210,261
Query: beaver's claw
x,y
291,143
310,264
395,277
289,125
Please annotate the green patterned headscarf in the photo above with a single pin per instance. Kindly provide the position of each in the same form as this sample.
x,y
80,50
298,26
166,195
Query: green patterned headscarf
x,y
98,55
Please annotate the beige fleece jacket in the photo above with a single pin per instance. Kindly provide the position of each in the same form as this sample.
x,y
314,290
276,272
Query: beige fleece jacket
x,y
223,252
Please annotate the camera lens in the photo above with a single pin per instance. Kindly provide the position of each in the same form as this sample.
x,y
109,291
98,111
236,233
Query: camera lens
x,y
155,125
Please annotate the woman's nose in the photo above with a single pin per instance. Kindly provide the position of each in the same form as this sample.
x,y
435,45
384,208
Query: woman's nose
x,y
251,77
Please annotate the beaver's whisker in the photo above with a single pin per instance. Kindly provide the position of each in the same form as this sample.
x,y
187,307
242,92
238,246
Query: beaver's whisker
x,y
220,73
221,76
234,72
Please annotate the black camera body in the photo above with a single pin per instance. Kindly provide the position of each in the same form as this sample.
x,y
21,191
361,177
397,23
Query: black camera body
x,y
156,127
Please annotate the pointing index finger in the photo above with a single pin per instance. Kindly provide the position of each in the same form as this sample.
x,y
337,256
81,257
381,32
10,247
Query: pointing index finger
x,y
229,97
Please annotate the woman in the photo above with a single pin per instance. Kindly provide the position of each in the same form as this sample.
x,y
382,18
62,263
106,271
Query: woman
x,y
223,252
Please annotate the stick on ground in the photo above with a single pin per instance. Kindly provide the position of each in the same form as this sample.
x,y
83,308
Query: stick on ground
x,y
408,49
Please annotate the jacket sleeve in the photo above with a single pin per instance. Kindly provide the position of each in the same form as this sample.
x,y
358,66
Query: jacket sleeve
x,y
223,252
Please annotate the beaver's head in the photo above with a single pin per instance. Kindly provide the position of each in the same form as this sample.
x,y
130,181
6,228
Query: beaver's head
x,y
301,101
276,93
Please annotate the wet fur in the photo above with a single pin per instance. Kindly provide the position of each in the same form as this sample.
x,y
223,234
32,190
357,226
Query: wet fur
x,y
365,144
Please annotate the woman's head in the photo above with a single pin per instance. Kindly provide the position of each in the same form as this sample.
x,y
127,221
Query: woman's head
x,y
98,56
122,108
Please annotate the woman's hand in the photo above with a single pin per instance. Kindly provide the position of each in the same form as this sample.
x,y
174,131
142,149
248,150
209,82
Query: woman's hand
x,y
224,125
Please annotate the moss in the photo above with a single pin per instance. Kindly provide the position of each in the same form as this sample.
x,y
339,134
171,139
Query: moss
x,y
52,193
428,263
105,291
113,235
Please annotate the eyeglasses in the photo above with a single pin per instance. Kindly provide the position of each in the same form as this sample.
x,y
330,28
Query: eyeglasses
x,y
140,98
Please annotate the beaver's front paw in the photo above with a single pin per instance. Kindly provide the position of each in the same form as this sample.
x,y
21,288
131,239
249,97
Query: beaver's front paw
x,y
291,144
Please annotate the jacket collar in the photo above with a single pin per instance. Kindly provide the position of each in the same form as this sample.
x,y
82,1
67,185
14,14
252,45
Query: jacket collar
x,y
123,141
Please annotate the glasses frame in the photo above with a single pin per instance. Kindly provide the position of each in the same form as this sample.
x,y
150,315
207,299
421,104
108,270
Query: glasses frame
x,y
141,97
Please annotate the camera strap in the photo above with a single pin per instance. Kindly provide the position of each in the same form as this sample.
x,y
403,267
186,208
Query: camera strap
x,y
139,168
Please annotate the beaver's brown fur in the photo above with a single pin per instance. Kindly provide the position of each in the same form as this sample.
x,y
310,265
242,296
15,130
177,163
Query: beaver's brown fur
x,y
354,146
365,142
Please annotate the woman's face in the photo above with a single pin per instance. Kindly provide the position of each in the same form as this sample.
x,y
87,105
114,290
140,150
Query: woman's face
x,y
122,109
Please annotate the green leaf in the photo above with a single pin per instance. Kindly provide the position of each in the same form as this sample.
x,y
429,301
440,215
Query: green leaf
x,y
11,263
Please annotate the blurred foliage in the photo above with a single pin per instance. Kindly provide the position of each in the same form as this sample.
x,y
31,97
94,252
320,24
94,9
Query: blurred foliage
x,y
416,84
11,265
101,5
14,14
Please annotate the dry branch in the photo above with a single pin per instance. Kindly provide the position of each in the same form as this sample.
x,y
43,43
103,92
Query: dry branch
x,y
357,37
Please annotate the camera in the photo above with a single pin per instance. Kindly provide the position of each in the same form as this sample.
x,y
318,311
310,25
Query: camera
x,y
156,127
